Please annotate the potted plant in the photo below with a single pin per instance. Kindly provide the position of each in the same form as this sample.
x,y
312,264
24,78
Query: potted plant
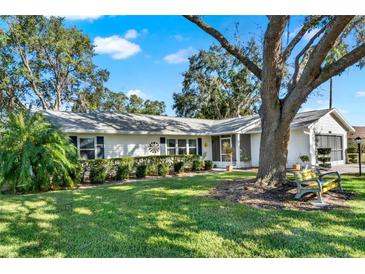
x,y
227,149
296,166
305,160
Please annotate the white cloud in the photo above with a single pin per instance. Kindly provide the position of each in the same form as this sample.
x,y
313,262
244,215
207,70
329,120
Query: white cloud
x,y
131,34
136,92
82,17
180,56
360,94
116,46
179,37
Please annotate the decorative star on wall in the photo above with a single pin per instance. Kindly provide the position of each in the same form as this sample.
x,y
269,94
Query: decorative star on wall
x,y
154,147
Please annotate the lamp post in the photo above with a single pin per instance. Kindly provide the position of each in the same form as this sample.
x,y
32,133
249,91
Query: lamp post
x,y
358,142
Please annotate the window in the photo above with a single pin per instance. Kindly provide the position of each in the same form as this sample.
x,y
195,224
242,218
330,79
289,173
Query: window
x,y
181,146
100,147
87,148
224,156
333,142
192,146
171,146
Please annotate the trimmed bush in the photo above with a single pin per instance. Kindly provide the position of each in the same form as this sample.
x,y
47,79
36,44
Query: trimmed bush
x,y
352,150
324,157
197,165
99,170
152,169
163,169
179,167
124,168
352,158
208,164
141,171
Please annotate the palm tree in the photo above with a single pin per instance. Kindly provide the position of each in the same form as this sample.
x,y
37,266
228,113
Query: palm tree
x,y
34,155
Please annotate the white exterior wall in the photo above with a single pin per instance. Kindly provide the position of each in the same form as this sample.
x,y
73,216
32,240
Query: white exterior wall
x,y
327,125
121,145
298,145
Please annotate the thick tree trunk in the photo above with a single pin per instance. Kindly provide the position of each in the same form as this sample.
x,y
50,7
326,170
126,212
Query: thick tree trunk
x,y
273,148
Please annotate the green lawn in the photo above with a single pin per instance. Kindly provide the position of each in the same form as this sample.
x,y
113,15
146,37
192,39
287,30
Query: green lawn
x,y
173,218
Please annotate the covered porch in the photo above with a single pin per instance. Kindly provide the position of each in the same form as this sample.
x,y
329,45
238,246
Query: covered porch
x,y
241,150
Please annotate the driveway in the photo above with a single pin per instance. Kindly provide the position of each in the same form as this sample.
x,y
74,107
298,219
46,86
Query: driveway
x,y
349,168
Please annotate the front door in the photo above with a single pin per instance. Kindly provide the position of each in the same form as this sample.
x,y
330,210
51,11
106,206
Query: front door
x,y
226,141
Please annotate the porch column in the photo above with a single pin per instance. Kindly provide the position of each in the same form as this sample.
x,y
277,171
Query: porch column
x,y
238,150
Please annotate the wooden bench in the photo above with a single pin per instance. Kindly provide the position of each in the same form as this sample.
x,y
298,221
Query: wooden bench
x,y
311,181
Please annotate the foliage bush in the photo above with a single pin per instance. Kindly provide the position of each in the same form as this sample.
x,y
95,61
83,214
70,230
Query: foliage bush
x,y
34,155
141,171
352,158
178,167
352,149
208,164
99,171
163,169
304,158
124,168
197,165
324,157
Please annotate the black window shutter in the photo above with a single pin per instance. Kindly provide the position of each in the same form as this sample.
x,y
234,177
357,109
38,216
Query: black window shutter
x,y
73,140
200,148
162,140
100,147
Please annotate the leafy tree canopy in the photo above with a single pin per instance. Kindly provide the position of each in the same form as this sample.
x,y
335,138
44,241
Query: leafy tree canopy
x,y
45,64
110,101
218,86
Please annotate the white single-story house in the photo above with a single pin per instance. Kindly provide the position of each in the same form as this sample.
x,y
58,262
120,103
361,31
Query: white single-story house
x,y
113,135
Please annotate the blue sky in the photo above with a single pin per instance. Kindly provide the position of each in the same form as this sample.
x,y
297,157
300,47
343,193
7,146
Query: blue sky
x,y
148,54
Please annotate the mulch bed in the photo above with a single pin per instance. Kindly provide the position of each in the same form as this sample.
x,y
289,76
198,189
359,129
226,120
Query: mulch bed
x,y
246,192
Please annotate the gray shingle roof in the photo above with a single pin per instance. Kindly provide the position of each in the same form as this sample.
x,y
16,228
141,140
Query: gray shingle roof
x,y
301,120
102,122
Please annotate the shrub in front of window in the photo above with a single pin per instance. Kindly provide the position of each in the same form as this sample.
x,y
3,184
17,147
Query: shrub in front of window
x,y
99,171
141,171
118,168
124,168
197,165
163,169
208,164
179,167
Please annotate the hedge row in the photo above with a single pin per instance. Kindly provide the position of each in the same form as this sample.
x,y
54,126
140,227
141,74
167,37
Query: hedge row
x,y
100,170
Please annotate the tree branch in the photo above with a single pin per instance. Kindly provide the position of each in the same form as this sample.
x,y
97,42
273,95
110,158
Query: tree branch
x,y
235,51
320,51
312,69
340,65
301,53
309,24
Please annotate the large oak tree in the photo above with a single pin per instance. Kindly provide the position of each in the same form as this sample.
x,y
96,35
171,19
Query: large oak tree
x,y
218,86
338,43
